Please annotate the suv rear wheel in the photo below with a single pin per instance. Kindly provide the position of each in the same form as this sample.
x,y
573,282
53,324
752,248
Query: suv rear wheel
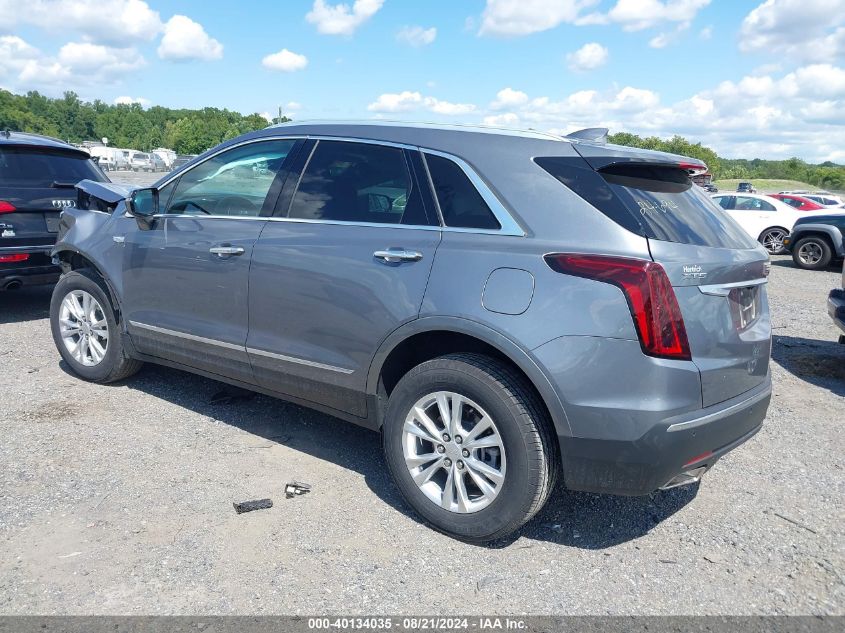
x,y
812,253
469,446
85,330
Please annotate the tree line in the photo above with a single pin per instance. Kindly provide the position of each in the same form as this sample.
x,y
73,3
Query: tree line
x,y
130,125
193,131
828,175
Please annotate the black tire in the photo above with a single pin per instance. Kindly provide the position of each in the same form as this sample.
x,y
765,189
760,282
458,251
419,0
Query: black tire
x,y
116,364
818,246
526,433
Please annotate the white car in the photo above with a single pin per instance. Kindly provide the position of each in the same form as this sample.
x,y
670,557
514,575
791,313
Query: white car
x,y
766,219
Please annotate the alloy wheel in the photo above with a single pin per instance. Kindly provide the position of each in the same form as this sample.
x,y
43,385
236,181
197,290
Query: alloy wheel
x,y
773,240
84,328
810,253
454,452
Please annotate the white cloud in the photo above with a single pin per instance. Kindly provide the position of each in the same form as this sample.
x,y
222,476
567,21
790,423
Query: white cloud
x,y
509,98
116,22
523,17
588,57
186,40
396,102
293,105
801,113
123,100
25,67
408,101
706,33
447,108
809,30
341,19
635,15
285,61
416,36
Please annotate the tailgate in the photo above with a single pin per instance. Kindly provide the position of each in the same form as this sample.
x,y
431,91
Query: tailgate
x,y
723,299
35,218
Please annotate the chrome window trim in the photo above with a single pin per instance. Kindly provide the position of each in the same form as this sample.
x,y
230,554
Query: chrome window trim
x,y
502,215
506,221
240,348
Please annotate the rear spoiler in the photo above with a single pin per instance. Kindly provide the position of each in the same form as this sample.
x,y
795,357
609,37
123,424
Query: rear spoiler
x,y
100,196
599,156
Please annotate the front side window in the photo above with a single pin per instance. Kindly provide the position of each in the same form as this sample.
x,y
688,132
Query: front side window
x,y
724,201
232,183
460,202
358,182
792,202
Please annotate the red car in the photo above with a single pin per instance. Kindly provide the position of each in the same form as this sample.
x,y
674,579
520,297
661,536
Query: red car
x,y
798,202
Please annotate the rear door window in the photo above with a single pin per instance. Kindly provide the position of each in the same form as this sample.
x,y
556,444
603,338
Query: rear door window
x,y
358,182
657,201
27,168
460,202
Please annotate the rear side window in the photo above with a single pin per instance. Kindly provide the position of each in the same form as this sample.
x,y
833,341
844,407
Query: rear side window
x,y
358,182
27,168
657,201
461,204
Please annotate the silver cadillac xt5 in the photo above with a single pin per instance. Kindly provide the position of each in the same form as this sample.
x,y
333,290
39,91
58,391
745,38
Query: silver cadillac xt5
x,y
506,308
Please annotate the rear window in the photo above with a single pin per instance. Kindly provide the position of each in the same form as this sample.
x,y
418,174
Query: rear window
x,y
656,201
26,168
460,202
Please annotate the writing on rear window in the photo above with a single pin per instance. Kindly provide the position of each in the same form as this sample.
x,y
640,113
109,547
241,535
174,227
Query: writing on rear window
x,y
649,206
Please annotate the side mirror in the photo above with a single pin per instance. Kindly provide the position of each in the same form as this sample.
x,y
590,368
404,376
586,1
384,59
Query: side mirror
x,y
143,205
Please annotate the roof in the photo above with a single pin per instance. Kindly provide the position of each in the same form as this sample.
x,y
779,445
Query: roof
x,y
418,125
25,139
459,138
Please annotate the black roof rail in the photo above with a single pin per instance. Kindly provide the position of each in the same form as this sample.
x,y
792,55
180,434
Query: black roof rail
x,y
593,134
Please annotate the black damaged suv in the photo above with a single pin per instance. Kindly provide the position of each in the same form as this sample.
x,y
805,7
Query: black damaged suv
x,y
37,179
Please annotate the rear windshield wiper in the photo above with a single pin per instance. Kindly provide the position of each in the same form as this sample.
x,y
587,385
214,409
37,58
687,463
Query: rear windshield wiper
x,y
63,185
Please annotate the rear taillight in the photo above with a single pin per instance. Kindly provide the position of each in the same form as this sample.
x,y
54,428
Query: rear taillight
x,y
14,257
6,207
651,299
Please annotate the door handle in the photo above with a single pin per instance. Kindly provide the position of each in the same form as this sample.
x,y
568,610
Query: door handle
x,y
395,255
226,251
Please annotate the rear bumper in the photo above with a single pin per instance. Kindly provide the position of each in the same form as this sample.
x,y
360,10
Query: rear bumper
x,y
676,445
38,269
836,307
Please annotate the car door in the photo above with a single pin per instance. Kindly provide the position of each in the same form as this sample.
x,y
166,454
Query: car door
x,y
186,278
345,265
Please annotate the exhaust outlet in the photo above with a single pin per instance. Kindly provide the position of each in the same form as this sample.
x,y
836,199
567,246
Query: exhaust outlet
x,y
685,478
13,284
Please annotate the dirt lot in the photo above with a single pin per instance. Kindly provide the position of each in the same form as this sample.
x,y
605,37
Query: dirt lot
x,y
118,500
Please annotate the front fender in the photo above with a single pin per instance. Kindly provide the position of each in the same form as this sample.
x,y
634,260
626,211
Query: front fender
x,y
520,357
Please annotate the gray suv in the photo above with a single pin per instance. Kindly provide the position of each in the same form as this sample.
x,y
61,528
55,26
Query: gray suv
x,y
505,307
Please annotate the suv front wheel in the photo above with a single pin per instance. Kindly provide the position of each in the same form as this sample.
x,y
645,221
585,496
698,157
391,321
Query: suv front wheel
x,y
469,446
85,330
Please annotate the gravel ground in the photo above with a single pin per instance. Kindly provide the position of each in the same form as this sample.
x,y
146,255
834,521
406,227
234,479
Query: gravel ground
x,y
118,500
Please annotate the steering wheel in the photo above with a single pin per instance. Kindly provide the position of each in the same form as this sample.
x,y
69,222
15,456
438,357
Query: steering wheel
x,y
199,208
238,204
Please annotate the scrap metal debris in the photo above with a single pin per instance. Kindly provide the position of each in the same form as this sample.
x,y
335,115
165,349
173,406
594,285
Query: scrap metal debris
x,y
249,506
295,488
231,394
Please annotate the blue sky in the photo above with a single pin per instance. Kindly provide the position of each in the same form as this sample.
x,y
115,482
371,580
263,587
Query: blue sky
x,y
747,77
